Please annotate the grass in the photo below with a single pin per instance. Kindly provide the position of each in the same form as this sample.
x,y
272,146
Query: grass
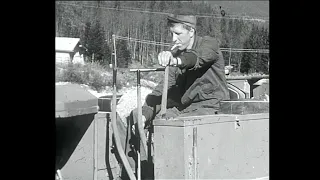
x,y
91,74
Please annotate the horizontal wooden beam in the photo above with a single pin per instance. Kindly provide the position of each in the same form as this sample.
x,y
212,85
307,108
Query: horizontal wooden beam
x,y
246,77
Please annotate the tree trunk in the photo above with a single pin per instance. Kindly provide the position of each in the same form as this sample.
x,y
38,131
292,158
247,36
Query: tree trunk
x,y
135,45
140,52
128,37
147,54
161,40
154,46
140,55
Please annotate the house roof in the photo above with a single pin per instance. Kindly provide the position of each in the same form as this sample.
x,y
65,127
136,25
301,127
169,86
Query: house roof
x,y
65,44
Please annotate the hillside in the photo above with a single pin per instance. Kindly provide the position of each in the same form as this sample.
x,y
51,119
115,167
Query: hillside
x,y
145,21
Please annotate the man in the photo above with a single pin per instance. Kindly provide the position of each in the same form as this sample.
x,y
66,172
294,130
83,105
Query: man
x,y
197,80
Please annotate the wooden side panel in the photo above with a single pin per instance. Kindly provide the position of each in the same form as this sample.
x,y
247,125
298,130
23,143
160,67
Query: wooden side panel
x,y
225,149
169,160
229,151
80,165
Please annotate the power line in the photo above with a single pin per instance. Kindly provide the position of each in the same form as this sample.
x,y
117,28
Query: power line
x,y
245,18
206,14
120,9
168,44
143,41
218,14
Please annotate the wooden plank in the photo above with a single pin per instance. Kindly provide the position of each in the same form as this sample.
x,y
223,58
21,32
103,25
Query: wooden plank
x,y
246,77
164,93
209,119
243,107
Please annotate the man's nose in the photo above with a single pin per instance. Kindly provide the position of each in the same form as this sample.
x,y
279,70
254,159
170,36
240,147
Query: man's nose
x,y
174,38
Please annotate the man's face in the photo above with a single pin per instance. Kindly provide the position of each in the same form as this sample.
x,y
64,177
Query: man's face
x,y
181,36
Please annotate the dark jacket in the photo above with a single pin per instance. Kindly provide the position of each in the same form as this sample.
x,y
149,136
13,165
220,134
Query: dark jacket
x,y
200,80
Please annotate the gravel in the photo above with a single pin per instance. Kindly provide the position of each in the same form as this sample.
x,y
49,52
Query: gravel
x,y
128,101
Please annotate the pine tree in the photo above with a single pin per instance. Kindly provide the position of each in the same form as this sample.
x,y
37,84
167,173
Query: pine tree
x,y
85,41
178,4
97,41
254,41
200,26
259,45
107,54
93,39
67,29
162,6
117,4
75,32
223,29
236,43
123,58
224,40
245,64
264,62
152,5
249,59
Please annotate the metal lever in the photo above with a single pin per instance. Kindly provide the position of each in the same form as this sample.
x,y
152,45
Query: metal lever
x,y
163,110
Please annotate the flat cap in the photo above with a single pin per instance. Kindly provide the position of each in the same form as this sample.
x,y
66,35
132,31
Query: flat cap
x,y
189,20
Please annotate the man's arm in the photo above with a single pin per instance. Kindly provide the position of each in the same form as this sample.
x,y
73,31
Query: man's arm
x,y
207,53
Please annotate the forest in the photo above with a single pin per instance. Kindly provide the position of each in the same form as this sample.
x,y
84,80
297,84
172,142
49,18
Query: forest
x,y
94,22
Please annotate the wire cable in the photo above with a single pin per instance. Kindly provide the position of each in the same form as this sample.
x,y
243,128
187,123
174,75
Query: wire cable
x,y
168,44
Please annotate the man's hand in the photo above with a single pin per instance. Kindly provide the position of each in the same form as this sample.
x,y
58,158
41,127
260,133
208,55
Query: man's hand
x,y
166,57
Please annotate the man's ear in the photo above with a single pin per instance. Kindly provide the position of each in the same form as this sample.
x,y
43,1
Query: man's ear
x,y
191,32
